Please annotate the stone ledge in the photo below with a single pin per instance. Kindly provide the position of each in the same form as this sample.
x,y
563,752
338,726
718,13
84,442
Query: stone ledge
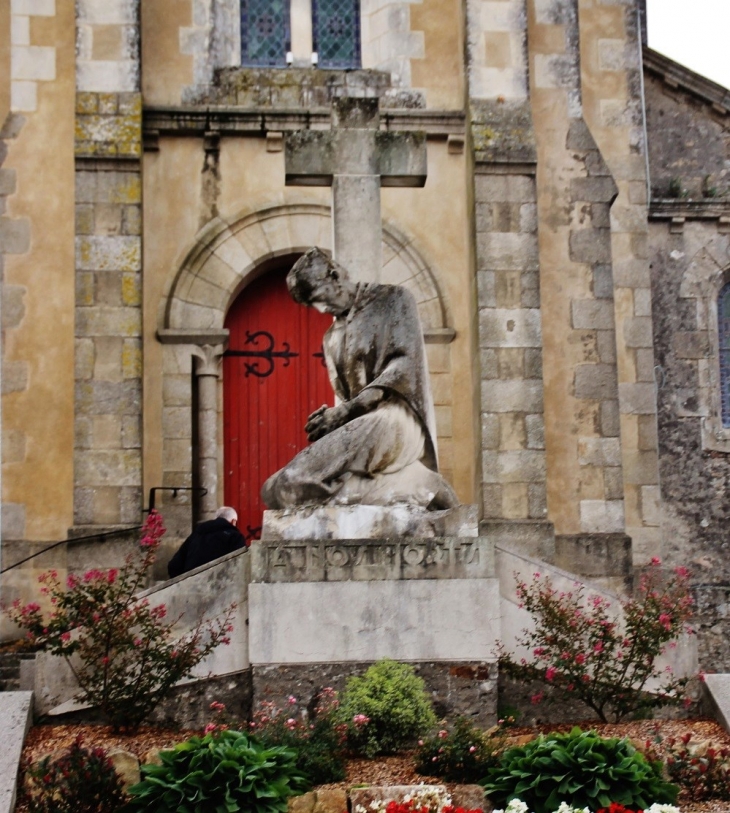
x,y
368,522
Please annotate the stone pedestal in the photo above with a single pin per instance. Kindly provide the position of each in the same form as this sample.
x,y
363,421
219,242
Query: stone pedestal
x,y
369,522
326,599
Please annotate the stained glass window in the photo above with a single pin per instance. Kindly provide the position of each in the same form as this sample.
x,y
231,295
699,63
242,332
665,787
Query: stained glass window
x,y
723,324
336,30
264,33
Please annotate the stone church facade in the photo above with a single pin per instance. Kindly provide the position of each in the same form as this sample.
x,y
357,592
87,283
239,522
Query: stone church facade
x,y
568,253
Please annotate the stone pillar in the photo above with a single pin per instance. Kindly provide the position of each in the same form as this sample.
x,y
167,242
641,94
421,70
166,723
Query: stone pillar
x,y
507,270
575,193
207,372
108,369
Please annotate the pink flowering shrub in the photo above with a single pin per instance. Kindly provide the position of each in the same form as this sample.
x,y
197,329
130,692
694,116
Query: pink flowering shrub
x,y
121,649
317,737
582,649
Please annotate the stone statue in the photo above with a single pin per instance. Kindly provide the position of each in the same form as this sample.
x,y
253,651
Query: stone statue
x,y
378,445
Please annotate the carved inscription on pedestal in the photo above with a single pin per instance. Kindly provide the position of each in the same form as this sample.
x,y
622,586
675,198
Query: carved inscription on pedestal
x,y
371,559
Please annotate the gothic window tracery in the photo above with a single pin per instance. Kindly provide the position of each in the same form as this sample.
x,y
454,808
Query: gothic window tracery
x,y
723,326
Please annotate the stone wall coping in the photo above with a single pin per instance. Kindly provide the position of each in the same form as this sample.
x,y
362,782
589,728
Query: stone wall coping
x,y
676,75
670,208
213,336
15,718
258,122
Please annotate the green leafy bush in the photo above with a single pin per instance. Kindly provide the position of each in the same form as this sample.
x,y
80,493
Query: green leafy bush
x,y
581,767
461,755
386,709
318,740
222,771
80,781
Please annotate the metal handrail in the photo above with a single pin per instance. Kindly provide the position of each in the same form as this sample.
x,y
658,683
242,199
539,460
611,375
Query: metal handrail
x,y
66,542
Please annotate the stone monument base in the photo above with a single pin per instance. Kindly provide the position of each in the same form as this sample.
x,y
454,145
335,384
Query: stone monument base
x,y
322,609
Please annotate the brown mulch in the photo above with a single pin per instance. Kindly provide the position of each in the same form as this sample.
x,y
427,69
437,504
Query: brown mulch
x,y
45,739
397,770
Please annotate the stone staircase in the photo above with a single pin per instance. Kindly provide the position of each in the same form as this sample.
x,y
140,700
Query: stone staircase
x,y
10,669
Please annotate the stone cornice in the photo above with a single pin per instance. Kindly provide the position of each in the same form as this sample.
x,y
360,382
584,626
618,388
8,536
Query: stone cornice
x,y
229,121
677,211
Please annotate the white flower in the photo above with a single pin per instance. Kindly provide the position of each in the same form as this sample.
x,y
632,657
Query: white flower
x,y
516,806
657,808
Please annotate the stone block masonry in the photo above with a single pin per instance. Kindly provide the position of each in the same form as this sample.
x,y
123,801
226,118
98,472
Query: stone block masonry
x,y
575,193
510,347
610,42
108,369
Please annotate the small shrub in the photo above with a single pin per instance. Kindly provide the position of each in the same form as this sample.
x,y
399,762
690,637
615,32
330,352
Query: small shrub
x,y
702,770
318,741
386,709
580,767
461,755
586,652
125,656
80,781
225,770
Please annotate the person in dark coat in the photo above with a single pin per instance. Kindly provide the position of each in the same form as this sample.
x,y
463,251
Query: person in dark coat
x,y
207,542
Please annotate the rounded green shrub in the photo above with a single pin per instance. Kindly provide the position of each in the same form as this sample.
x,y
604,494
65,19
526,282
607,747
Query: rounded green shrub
x,y
580,768
386,709
226,771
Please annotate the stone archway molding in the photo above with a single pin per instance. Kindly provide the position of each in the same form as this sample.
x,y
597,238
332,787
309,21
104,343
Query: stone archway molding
x,y
226,255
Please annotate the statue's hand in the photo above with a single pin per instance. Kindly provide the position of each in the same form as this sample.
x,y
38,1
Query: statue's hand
x,y
324,420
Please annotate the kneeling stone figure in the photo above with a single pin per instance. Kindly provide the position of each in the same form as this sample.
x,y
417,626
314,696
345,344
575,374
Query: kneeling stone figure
x,y
378,445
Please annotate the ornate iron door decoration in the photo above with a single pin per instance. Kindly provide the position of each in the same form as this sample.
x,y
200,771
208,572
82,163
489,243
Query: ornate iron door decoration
x,y
268,354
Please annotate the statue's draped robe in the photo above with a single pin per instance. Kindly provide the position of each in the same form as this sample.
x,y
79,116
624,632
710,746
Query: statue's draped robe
x,y
387,455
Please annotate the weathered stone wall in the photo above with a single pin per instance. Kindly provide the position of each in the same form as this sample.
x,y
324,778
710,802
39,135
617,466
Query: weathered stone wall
x,y
689,245
688,141
455,689
695,476
108,371
36,227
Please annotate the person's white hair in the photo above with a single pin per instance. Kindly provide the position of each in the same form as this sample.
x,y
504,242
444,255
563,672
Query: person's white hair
x,y
227,513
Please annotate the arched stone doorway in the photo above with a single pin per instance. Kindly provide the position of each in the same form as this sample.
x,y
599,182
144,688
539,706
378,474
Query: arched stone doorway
x,y
226,258
273,378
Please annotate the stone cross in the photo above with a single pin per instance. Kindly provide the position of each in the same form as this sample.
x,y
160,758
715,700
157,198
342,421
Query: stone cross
x,y
356,158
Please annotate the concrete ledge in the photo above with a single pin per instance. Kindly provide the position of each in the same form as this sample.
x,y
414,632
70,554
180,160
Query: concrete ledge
x,y
717,697
15,720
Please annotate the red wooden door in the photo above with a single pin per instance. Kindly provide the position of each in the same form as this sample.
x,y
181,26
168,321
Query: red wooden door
x,y
273,378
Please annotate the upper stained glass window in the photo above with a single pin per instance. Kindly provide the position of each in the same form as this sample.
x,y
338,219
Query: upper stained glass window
x,y
723,327
336,30
264,33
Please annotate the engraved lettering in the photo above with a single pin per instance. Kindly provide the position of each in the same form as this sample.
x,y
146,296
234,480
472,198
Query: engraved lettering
x,y
337,556
471,553
277,557
414,554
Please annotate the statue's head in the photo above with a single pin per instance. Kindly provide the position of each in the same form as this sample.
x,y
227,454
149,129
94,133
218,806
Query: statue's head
x,y
319,281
